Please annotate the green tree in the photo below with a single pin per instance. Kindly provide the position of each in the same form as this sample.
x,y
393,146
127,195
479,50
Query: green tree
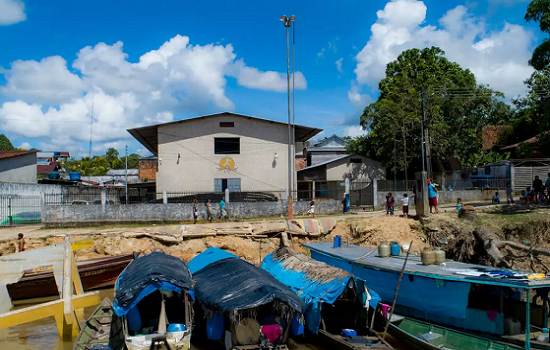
x,y
5,143
539,11
112,156
133,162
456,107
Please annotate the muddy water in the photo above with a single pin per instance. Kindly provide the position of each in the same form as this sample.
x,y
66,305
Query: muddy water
x,y
43,335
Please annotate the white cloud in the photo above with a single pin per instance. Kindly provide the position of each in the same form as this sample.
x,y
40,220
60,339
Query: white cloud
x,y
339,65
496,57
25,145
358,99
52,100
11,12
354,131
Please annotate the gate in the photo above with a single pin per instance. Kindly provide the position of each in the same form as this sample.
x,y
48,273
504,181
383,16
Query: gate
x,y
20,210
361,194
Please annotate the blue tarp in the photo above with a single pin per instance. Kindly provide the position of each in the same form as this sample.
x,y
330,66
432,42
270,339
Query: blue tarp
x,y
313,293
148,274
228,283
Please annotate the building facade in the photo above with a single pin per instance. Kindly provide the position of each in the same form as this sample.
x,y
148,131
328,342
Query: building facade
x,y
219,151
18,166
148,167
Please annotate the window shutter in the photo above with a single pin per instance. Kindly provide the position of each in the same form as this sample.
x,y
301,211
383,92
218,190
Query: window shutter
x,y
234,185
217,185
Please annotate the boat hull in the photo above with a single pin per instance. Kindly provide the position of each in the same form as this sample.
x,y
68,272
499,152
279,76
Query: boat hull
x,y
39,284
102,328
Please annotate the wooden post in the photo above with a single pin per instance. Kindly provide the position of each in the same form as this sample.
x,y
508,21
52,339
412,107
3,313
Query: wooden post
x,y
285,336
528,321
397,290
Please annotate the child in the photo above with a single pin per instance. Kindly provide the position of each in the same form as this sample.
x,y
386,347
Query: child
x,y
195,211
509,197
530,195
20,242
523,198
405,202
223,212
390,202
459,206
209,210
311,209
496,198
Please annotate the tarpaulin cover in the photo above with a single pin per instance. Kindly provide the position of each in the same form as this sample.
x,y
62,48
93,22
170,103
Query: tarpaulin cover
x,y
232,284
207,257
313,293
147,274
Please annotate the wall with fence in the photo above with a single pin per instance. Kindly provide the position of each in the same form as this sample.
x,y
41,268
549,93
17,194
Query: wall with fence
x,y
444,197
95,214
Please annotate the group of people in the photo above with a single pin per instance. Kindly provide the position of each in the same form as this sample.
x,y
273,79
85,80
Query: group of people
x,y
538,193
209,210
432,200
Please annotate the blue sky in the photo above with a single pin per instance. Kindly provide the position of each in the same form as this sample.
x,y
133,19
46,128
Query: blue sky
x,y
58,57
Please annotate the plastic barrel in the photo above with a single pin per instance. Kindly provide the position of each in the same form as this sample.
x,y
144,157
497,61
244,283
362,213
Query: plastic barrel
x,y
74,175
337,242
395,248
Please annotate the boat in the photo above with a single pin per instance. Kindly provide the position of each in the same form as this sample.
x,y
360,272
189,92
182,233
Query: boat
x,y
337,302
154,299
38,284
487,301
426,336
102,329
244,306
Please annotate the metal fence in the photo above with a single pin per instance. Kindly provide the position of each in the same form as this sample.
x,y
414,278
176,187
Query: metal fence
x,y
361,194
20,210
475,184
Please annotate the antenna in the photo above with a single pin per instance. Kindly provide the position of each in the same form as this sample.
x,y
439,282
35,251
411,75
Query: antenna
x,y
91,125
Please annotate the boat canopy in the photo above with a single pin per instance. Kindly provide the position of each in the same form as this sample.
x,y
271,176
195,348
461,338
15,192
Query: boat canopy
x,y
147,274
314,282
226,283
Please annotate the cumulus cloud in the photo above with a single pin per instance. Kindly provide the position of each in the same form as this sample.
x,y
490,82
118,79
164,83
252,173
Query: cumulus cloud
x,y
50,99
25,145
354,131
11,12
497,57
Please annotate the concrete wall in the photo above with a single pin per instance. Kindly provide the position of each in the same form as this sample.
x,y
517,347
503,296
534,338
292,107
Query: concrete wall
x,y
19,169
445,197
23,189
81,215
186,159
366,171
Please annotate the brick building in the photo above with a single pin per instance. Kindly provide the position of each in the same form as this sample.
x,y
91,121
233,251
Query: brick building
x,y
148,167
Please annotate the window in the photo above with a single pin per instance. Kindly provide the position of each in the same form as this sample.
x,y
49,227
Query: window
x,y
234,185
356,160
227,145
227,124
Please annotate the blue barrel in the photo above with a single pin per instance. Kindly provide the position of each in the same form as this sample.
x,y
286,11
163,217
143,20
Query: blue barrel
x,y
54,175
337,241
74,175
395,248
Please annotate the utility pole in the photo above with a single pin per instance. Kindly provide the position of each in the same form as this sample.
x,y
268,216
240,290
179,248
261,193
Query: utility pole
x,y
288,22
126,158
395,161
91,125
405,155
422,127
294,180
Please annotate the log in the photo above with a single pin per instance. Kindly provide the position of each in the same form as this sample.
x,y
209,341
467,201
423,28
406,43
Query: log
x,y
526,248
284,239
490,244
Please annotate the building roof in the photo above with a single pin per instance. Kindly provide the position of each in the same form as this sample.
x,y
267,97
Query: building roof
x,y
327,162
148,135
10,154
149,158
46,168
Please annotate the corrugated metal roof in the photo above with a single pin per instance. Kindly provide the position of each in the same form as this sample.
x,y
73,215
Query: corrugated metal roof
x,y
9,154
327,162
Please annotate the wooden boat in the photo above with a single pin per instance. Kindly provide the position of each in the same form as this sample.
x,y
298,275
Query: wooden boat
x,y
337,293
485,300
102,328
38,284
426,336
154,299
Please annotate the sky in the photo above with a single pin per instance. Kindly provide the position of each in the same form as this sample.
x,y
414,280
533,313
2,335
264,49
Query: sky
x,y
125,64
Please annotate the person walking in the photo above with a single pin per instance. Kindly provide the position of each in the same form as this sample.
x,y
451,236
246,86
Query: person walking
x,y
195,210
405,201
537,187
432,197
223,212
209,210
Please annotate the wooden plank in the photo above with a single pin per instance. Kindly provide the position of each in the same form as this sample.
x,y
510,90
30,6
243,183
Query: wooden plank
x,y
67,291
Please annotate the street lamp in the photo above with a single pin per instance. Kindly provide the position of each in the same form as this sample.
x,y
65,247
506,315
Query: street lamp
x,y
287,23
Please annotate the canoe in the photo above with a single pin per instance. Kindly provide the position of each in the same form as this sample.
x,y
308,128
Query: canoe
x,y
38,284
371,342
426,336
102,330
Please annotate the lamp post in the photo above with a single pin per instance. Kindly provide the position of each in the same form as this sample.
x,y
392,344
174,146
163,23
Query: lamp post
x,y
287,23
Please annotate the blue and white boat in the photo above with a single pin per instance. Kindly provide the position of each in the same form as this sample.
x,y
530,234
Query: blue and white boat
x,y
469,297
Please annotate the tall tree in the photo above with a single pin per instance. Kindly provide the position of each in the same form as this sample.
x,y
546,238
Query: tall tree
x,y
112,156
539,11
456,108
5,143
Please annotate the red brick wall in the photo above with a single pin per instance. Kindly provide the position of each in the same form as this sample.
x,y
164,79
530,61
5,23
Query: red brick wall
x,y
148,169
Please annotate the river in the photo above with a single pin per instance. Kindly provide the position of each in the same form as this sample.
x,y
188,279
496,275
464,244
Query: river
x,y
43,335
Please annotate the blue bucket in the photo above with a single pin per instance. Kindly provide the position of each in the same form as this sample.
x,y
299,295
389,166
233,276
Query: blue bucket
x,y
176,327
337,242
